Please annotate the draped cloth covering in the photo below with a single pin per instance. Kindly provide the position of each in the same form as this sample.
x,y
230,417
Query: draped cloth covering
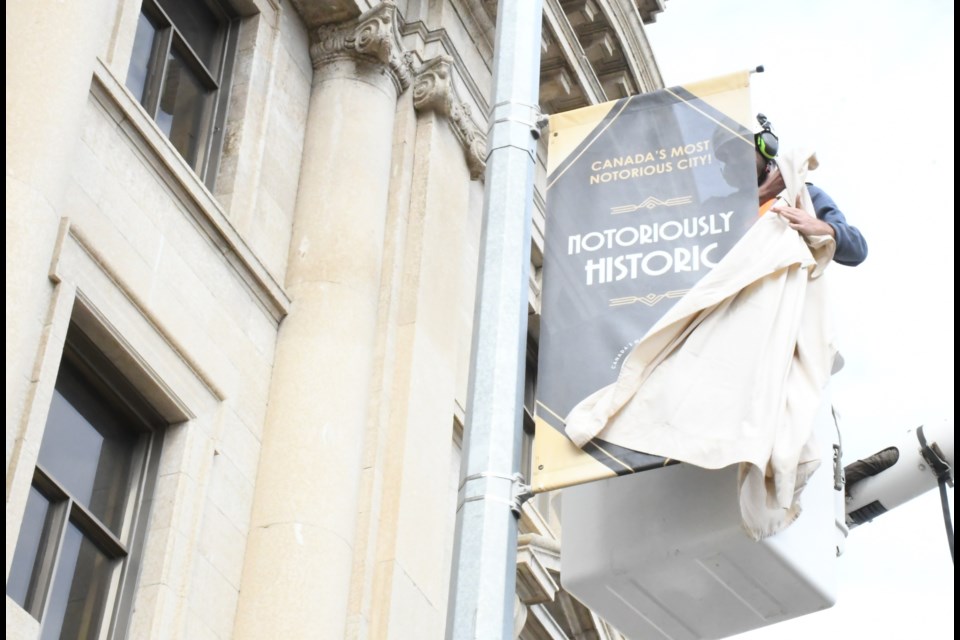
x,y
734,373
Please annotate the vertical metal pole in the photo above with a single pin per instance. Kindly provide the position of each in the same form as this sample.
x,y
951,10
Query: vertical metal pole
x,y
483,581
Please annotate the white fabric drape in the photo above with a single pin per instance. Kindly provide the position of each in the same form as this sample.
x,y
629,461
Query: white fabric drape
x,y
735,371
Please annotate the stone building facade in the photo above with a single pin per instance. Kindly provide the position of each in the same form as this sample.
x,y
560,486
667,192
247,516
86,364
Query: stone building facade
x,y
241,247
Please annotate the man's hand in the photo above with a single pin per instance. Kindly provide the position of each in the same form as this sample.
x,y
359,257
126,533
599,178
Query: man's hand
x,y
772,185
803,222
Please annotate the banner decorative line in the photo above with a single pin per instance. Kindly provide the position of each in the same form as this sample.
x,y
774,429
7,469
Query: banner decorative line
x,y
686,100
550,411
614,458
651,203
649,299
620,107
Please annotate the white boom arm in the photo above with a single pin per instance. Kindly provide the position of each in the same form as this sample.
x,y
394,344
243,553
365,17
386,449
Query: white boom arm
x,y
900,472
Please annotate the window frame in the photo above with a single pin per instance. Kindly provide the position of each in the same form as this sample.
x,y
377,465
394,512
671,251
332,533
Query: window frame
x,y
94,369
168,38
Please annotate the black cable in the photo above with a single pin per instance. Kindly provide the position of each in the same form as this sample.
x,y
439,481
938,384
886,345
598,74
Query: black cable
x,y
946,514
942,471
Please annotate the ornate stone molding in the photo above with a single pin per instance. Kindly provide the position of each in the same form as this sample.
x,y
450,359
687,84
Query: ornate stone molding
x,y
374,35
433,90
537,556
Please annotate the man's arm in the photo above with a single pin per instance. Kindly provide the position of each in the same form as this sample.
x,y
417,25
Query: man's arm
x,y
851,246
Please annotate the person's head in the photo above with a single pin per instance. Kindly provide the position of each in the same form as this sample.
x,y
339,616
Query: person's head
x,y
766,141
729,144
726,145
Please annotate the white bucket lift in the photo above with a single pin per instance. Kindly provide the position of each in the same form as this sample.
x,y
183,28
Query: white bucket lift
x,y
661,554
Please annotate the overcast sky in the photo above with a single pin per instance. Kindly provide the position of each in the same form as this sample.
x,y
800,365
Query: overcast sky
x,y
868,84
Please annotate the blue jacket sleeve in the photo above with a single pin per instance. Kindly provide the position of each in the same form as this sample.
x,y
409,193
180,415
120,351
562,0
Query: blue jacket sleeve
x,y
851,246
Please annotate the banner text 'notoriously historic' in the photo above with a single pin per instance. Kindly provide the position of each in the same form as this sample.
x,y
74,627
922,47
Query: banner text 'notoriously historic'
x,y
633,264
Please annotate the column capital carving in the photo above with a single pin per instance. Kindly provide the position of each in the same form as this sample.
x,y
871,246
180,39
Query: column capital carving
x,y
433,87
433,90
374,35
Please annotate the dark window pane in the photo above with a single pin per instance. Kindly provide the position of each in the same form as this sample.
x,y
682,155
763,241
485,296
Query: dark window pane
x,y
184,113
28,544
70,449
183,69
88,450
200,27
140,60
79,592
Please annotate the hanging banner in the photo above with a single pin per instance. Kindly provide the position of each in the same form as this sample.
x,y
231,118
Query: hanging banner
x,y
644,196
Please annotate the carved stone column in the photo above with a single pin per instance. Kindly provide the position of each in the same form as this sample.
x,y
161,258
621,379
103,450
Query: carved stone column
x,y
409,575
298,563
434,91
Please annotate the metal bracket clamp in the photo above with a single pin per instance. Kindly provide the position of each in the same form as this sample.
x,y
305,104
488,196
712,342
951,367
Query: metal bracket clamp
x,y
935,458
514,124
519,491
838,479
543,121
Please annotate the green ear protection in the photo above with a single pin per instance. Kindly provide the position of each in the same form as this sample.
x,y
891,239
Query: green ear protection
x,y
766,140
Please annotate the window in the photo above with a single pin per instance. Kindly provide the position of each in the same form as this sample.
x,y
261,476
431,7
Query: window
x,y
180,71
74,568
